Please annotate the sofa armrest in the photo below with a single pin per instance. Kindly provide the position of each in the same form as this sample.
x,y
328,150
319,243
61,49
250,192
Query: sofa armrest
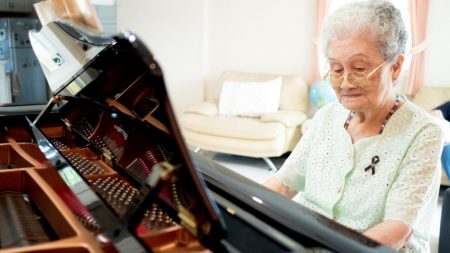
x,y
204,108
287,118
306,125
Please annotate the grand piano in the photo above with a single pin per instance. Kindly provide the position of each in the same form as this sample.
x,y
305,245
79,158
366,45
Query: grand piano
x,y
103,167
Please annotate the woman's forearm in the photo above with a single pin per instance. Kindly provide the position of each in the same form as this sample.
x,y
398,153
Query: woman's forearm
x,y
391,233
277,186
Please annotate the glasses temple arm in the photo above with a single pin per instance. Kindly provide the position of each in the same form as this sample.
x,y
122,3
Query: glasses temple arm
x,y
375,70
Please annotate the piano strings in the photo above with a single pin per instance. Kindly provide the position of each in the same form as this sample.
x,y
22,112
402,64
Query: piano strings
x,y
115,140
84,127
20,225
79,210
141,166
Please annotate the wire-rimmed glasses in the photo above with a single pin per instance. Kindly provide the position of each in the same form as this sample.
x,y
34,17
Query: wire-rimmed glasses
x,y
355,78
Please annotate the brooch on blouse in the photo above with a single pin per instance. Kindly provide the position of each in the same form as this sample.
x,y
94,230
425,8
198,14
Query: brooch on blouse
x,y
375,160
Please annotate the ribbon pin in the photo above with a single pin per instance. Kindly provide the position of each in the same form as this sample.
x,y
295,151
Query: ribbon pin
x,y
375,160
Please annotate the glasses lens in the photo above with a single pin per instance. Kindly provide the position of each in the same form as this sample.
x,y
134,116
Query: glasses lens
x,y
356,78
335,79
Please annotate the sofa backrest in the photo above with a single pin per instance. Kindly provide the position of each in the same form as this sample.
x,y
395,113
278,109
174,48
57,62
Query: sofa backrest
x,y
294,90
430,97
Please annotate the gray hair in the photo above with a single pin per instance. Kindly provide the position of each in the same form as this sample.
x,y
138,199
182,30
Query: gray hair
x,y
380,19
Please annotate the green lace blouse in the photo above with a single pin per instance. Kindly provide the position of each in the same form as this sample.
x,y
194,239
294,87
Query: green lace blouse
x,y
329,172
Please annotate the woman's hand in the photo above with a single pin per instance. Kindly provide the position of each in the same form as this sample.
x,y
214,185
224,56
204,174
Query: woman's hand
x,y
277,186
391,233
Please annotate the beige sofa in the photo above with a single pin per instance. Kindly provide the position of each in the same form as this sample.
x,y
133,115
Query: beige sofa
x,y
269,135
429,98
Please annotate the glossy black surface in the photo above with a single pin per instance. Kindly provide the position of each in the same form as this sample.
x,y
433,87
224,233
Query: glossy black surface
x,y
300,224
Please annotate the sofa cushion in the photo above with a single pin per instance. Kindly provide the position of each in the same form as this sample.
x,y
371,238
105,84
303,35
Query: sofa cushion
x,y
204,108
430,97
288,118
294,94
294,90
252,99
243,147
234,127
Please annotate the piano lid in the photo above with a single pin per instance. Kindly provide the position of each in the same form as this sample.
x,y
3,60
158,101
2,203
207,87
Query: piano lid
x,y
63,51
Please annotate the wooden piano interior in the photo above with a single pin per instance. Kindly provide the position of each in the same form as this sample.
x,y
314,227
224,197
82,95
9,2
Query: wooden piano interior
x,y
26,177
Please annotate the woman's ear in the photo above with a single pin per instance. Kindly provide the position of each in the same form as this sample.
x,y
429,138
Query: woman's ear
x,y
397,67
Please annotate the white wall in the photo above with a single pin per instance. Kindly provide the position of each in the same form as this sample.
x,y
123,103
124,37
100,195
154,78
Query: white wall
x,y
174,32
277,36
260,36
437,54
196,40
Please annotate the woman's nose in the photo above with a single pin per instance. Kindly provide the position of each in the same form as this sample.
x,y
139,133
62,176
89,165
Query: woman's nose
x,y
346,82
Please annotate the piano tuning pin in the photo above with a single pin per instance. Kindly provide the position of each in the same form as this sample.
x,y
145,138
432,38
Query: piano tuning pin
x,y
59,144
116,192
83,165
155,219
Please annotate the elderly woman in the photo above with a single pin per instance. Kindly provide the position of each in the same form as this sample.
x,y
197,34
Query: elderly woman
x,y
370,161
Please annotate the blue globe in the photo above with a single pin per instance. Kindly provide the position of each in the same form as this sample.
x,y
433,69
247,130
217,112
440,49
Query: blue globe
x,y
321,93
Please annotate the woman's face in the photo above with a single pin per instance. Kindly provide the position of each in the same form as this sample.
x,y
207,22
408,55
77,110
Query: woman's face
x,y
359,55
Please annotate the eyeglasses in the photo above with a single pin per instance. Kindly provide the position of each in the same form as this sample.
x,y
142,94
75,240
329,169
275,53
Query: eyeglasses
x,y
355,78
